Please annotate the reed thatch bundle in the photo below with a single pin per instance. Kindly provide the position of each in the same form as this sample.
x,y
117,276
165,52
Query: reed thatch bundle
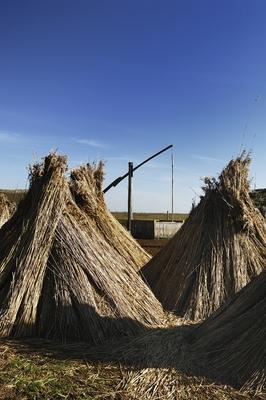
x,y
25,243
231,344
218,250
86,187
6,209
59,277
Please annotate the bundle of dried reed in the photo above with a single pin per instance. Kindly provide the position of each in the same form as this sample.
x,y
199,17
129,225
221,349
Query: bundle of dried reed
x,y
59,276
86,187
218,250
25,243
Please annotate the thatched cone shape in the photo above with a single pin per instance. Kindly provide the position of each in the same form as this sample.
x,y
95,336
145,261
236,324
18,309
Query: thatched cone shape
x,y
218,250
86,187
6,209
59,278
232,343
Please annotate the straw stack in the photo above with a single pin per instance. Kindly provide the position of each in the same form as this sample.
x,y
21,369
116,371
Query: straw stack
x,y
59,277
86,187
218,250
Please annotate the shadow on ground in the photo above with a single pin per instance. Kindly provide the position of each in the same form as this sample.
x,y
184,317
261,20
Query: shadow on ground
x,y
162,348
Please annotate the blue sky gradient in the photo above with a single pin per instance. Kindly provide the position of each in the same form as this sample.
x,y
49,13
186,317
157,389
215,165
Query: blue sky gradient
x,y
120,79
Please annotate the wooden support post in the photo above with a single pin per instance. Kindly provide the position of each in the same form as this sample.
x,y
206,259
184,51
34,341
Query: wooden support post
x,y
172,187
129,209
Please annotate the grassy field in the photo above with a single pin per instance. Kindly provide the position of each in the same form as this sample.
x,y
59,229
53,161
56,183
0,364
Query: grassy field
x,y
17,195
34,376
14,195
120,215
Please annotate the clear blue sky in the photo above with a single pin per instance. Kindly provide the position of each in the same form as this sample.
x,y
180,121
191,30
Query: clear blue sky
x,y
120,79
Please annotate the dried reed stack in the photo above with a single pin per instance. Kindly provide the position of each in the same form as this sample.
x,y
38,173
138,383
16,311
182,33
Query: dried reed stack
x,y
6,209
59,277
27,239
232,341
218,250
86,187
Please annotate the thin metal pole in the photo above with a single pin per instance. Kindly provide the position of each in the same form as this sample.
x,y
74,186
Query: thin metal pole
x,y
172,157
129,209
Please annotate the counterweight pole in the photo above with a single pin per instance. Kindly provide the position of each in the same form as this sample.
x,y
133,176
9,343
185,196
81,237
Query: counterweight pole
x,y
120,178
129,174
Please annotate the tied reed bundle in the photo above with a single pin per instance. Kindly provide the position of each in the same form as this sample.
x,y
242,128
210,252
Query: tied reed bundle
x,y
60,277
86,187
218,250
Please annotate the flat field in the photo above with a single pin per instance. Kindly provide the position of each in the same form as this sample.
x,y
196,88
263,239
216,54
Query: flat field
x,y
121,215
18,194
14,195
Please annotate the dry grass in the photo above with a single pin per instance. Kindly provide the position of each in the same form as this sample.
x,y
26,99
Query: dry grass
x,y
217,251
